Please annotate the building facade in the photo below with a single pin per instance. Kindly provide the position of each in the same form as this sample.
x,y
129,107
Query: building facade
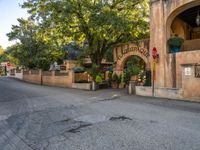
x,y
177,70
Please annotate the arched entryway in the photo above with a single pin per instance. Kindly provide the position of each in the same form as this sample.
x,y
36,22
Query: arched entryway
x,y
131,57
134,68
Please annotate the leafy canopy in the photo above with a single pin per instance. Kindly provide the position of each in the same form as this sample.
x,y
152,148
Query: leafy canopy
x,y
96,25
35,49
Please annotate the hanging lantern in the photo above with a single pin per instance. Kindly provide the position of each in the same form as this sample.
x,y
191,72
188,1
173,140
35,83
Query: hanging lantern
x,y
198,19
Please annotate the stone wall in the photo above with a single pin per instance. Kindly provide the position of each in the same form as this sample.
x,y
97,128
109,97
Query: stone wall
x,y
49,78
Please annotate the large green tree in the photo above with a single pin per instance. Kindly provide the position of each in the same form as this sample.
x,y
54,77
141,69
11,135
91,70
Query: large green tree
x,y
8,56
34,49
96,25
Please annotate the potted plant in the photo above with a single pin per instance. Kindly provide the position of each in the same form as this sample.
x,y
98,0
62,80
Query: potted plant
x,y
115,81
134,73
175,43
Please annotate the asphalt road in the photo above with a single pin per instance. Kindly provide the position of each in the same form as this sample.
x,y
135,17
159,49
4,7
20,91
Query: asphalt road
x,y
34,117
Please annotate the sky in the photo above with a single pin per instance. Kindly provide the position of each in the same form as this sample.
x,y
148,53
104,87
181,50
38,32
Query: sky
x,y
9,12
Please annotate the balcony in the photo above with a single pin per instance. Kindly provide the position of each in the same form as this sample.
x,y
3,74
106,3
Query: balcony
x,y
191,45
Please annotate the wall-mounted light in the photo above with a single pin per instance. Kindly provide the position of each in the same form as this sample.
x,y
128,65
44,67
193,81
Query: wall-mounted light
x,y
157,58
198,19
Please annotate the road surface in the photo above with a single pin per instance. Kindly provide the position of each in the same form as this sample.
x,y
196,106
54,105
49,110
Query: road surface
x,y
34,117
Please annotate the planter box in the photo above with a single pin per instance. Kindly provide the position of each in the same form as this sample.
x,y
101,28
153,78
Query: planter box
x,y
83,86
114,85
121,86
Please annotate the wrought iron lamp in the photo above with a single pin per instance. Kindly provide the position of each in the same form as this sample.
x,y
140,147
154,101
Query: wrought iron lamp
x,y
198,19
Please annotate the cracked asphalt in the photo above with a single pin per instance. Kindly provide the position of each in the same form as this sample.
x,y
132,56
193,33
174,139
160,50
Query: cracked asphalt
x,y
34,117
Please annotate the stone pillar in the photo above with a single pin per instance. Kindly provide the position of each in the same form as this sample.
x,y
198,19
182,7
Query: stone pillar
x,y
131,87
158,39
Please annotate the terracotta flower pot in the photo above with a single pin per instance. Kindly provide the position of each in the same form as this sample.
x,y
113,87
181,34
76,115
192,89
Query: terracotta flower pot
x,y
134,78
114,85
121,85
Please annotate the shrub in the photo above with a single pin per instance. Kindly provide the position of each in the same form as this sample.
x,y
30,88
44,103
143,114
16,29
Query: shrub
x,y
122,78
98,79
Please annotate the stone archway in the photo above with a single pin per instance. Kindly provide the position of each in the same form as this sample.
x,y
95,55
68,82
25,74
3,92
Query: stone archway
x,y
123,51
121,63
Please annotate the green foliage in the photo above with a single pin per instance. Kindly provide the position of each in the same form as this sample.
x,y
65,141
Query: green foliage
x,y
8,56
35,49
98,79
115,78
122,78
96,25
109,55
79,70
110,77
93,71
134,65
135,70
127,76
72,51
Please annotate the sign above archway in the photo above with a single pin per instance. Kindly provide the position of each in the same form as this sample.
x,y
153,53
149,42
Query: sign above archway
x,y
123,51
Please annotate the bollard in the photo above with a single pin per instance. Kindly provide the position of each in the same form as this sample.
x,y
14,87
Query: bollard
x,y
93,86
131,87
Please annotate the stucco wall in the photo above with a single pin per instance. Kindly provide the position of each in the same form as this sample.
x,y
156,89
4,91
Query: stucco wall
x,y
60,81
82,86
192,57
33,78
170,93
179,27
162,14
191,85
51,79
